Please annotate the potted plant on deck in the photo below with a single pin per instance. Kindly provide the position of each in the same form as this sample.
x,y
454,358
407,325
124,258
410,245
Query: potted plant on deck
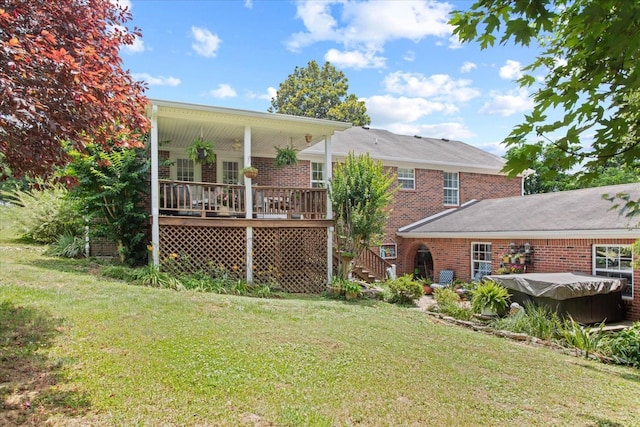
x,y
201,151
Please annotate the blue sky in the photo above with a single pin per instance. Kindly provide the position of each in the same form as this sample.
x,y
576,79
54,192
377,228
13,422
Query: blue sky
x,y
399,57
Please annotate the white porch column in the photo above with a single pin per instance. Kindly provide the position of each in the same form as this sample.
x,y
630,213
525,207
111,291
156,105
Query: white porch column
x,y
248,203
155,197
328,174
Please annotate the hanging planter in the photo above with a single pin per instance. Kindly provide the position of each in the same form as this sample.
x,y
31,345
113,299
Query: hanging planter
x,y
201,151
285,156
250,172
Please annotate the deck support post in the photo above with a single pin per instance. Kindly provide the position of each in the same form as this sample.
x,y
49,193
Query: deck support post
x,y
155,197
328,174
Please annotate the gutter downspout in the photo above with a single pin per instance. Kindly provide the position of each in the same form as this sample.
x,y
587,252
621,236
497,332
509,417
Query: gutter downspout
x,y
248,202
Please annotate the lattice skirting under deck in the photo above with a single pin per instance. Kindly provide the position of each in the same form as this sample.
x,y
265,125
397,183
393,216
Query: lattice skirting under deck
x,y
295,258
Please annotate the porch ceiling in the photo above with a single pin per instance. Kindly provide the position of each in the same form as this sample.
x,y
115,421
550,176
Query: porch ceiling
x,y
179,124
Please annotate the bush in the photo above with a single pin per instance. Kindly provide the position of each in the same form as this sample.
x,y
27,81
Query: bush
x,y
404,290
44,213
624,346
121,272
67,246
490,295
449,303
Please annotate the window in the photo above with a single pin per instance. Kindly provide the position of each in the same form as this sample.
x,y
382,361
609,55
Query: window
x,y
406,178
451,187
185,170
317,175
389,251
230,172
480,260
614,261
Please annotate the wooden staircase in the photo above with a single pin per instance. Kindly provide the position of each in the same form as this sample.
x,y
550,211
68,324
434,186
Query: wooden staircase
x,y
369,266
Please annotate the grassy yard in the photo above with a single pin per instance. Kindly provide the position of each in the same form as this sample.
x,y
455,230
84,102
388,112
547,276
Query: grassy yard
x,y
78,349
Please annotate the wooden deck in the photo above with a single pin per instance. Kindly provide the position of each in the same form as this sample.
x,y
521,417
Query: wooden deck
x,y
221,201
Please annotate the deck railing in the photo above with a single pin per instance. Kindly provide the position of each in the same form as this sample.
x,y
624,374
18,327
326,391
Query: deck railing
x,y
202,199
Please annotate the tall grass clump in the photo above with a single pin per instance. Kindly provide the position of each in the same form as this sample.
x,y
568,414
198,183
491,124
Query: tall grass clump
x,y
536,321
44,212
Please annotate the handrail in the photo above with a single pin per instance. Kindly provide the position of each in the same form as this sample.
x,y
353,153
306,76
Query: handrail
x,y
211,199
373,262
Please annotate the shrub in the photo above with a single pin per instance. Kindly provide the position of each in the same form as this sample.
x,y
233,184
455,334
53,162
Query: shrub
x,y
404,290
67,246
121,272
44,213
624,346
449,303
490,295
152,276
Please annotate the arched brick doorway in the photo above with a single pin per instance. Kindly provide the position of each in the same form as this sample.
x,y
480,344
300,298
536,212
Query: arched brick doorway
x,y
423,262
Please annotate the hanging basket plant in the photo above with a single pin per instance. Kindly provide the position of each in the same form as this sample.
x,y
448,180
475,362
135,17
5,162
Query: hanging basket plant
x,y
285,156
201,151
250,172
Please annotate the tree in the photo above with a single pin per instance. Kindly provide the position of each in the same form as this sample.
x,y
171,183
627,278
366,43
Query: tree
x,y
590,52
360,193
111,185
319,93
61,79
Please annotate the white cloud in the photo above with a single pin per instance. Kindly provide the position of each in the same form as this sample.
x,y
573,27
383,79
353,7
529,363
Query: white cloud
x,y
122,4
137,46
248,4
354,59
454,42
271,93
438,86
448,130
386,109
467,67
369,24
206,43
158,80
409,56
224,91
512,70
506,104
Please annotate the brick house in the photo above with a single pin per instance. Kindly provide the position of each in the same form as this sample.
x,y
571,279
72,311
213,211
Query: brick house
x,y
571,231
282,220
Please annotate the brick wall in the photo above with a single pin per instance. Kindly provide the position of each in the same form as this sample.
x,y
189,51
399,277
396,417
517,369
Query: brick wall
x,y
549,256
289,176
428,197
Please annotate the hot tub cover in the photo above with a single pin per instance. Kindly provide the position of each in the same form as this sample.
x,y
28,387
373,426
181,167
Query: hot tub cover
x,y
559,286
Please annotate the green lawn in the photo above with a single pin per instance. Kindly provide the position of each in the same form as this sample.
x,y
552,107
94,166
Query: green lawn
x,y
78,349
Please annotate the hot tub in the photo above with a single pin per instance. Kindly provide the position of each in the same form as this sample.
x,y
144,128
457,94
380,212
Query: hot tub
x,y
587,299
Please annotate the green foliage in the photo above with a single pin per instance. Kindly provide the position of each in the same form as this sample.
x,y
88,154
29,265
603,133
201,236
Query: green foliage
x,y
581,337
624,346
404,290
153,277
490,294
360,192
449,303
535,321
285,156
201,151
67,245
589,54
319,93
44,212
112,186
120,272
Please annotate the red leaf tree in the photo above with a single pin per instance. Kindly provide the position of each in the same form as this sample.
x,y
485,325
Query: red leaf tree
x,y
61,79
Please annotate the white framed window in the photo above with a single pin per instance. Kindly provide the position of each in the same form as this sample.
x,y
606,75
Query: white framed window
x,y
230,172
389,251
480,260
407,178
451,188
317,175
614,261
185,170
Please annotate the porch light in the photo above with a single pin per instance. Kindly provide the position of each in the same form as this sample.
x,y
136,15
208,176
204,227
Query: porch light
x,y
527,247
308,137
512,247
